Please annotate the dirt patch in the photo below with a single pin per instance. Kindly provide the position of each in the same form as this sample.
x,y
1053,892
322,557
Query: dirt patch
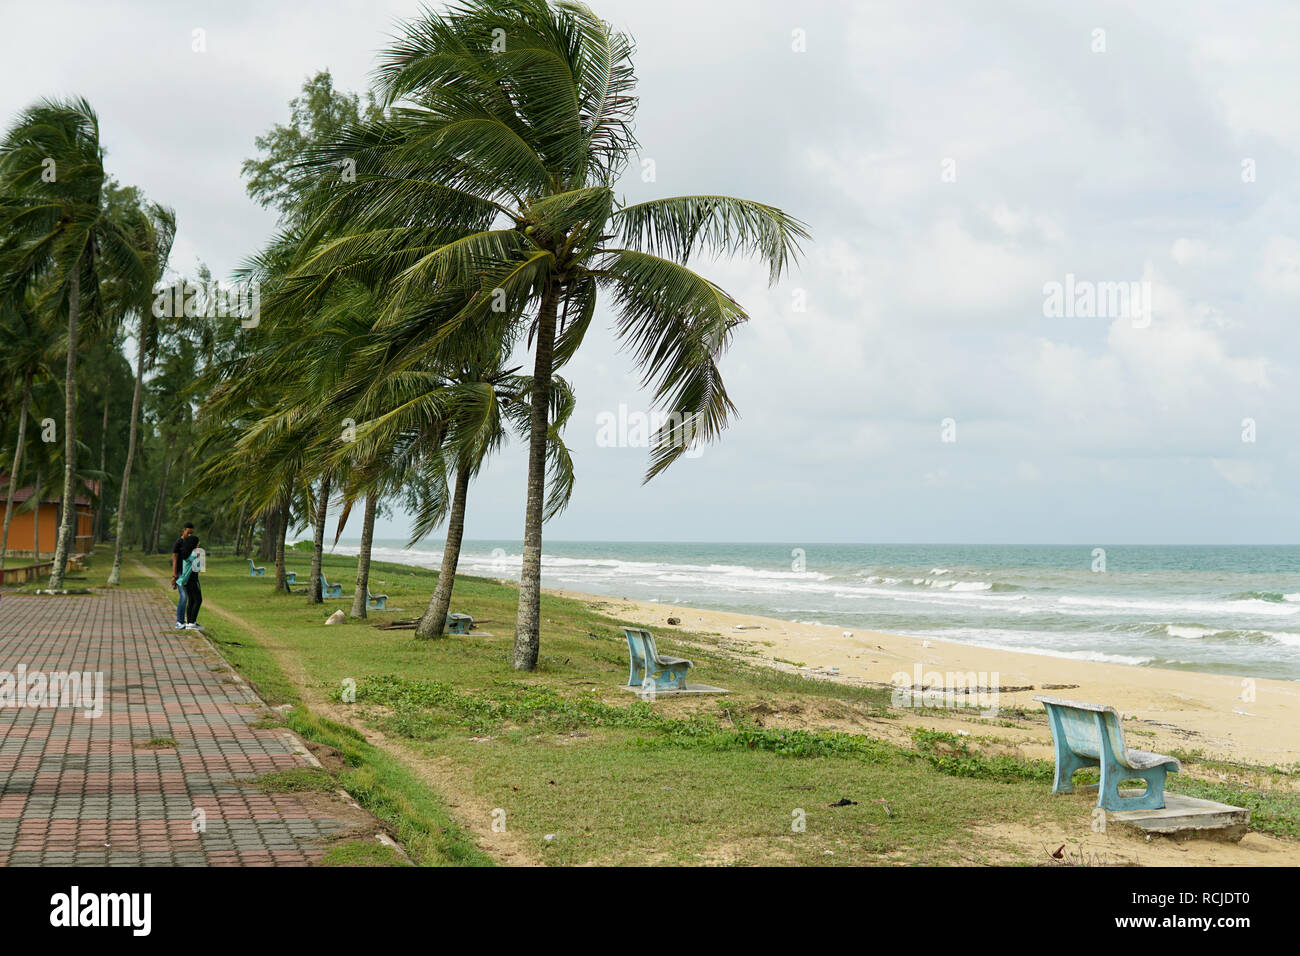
x,y
1076,844
329,758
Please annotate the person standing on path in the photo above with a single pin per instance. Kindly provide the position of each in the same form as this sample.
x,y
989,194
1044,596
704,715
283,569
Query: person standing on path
x,y
191,564
177,559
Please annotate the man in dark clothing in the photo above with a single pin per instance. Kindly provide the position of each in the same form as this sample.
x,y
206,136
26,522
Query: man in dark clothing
x,y
190,584
177,559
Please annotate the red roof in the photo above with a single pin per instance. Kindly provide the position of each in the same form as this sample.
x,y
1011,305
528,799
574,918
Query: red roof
x,y
25,494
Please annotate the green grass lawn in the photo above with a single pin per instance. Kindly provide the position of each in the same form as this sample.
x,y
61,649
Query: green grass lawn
x,y
579,771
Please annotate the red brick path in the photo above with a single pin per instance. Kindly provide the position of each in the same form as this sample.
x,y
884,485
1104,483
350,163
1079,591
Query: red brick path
x,y
80,790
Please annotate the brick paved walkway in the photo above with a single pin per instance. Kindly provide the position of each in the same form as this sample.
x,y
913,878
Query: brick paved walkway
x,y
78,789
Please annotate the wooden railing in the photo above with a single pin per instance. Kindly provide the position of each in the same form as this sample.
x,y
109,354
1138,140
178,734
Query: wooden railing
x,y
30,573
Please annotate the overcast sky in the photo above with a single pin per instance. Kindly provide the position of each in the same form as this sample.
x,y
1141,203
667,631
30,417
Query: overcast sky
x,y
952,160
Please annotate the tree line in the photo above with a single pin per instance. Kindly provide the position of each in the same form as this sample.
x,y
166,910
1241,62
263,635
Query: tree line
x,y
442,249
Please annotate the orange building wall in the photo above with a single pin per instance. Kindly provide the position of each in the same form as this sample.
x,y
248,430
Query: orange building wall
x,y
20,530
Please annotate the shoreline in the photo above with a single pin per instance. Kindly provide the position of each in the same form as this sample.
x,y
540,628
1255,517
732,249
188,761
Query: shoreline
x,y
1190,710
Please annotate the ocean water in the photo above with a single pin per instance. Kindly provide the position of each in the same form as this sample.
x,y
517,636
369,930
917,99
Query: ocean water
x,y
1221,609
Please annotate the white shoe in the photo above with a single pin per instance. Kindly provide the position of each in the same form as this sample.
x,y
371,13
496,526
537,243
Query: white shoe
x,y
193,627
180,626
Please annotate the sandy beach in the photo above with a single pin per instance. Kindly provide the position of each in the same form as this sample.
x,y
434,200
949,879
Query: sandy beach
x,y
1164,709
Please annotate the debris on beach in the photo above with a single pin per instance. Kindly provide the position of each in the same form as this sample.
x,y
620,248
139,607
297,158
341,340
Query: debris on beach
x,y
674,620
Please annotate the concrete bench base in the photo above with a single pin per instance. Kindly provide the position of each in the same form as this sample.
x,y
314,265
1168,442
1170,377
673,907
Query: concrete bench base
x,y
1186,818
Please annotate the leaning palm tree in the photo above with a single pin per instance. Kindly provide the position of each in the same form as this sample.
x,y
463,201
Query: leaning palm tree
x,y
470,400
509,127
156,230
27,357
343,363
54,222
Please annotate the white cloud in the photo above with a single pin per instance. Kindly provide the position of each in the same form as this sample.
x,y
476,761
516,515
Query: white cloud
x,y
924,297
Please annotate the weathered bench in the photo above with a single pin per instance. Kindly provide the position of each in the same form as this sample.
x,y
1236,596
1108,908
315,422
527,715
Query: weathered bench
x,y
330,590
1092,735
254,571
667,673
290,577
376,602
459,623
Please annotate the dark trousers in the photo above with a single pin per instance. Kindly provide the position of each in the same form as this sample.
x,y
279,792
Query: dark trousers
x,y
193,599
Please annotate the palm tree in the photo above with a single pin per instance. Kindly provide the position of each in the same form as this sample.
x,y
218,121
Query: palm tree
x,y
467,398
157,231
509,127
26,358
54,221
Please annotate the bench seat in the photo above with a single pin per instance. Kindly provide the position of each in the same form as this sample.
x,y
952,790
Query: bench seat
x,y
1145,760
1092,735
647,665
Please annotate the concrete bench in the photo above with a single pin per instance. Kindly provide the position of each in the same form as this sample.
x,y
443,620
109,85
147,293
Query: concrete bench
x,y
376,602
667,673
1092,735
254,571
330,590
459,623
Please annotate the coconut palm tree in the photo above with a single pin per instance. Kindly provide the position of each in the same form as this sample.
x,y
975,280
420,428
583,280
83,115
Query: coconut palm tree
x,y
509,125
471,401
156,230
55,223
27,357
406,463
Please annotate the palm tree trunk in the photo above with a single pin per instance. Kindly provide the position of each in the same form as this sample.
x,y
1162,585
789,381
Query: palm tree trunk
x,y
155,526
241,531
18,460
363,557
36,522
435,616
70,537
282,532
69,427
528,619
98,525
115,575
270,531
314,595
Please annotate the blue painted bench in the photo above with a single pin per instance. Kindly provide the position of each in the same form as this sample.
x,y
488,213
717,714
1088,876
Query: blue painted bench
x,y
1092,735
254,571
376,602
290,577
668,673
459,623
330,590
